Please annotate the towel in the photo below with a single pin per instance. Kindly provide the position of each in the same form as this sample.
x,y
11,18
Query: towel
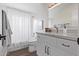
x,y
6,29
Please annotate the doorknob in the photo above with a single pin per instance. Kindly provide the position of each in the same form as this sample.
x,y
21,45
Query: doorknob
x,y
2,36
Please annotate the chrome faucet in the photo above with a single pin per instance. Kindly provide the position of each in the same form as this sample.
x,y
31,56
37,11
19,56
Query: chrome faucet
x,y
56,28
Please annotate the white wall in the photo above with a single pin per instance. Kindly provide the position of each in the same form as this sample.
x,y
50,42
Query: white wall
x,y
0,20
36,9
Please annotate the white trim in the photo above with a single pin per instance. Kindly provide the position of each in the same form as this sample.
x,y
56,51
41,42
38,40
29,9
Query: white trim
x,y
18,46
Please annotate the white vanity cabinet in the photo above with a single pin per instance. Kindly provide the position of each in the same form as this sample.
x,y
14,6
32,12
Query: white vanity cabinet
x,y
55,46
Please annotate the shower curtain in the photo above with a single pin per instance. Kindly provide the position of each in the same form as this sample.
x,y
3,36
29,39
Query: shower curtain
x,y
21,25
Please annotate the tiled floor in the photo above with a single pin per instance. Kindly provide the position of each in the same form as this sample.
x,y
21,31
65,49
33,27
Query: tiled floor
x,y
22,52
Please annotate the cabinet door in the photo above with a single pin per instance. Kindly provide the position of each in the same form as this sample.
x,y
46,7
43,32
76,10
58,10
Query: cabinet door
x,y
40,45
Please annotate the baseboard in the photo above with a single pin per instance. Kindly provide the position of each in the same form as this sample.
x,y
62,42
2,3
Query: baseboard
x,y
17,46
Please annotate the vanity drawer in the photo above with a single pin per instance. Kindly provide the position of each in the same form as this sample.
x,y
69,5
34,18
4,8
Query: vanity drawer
x,y
67,46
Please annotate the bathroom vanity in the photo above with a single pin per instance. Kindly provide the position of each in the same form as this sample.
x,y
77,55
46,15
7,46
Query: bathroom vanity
x,y
55,44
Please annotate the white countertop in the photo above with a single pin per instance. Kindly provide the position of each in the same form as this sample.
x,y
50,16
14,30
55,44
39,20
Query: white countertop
x,y
67,36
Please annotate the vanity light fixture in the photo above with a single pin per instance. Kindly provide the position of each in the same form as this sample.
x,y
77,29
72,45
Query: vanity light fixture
x,y
52,5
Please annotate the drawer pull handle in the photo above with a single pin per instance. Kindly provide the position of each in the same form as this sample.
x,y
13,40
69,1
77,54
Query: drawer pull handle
x,y
45,49
78,41
65,45
48,51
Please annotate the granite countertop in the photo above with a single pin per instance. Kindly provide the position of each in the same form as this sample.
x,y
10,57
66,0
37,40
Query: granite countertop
x,y
67,36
